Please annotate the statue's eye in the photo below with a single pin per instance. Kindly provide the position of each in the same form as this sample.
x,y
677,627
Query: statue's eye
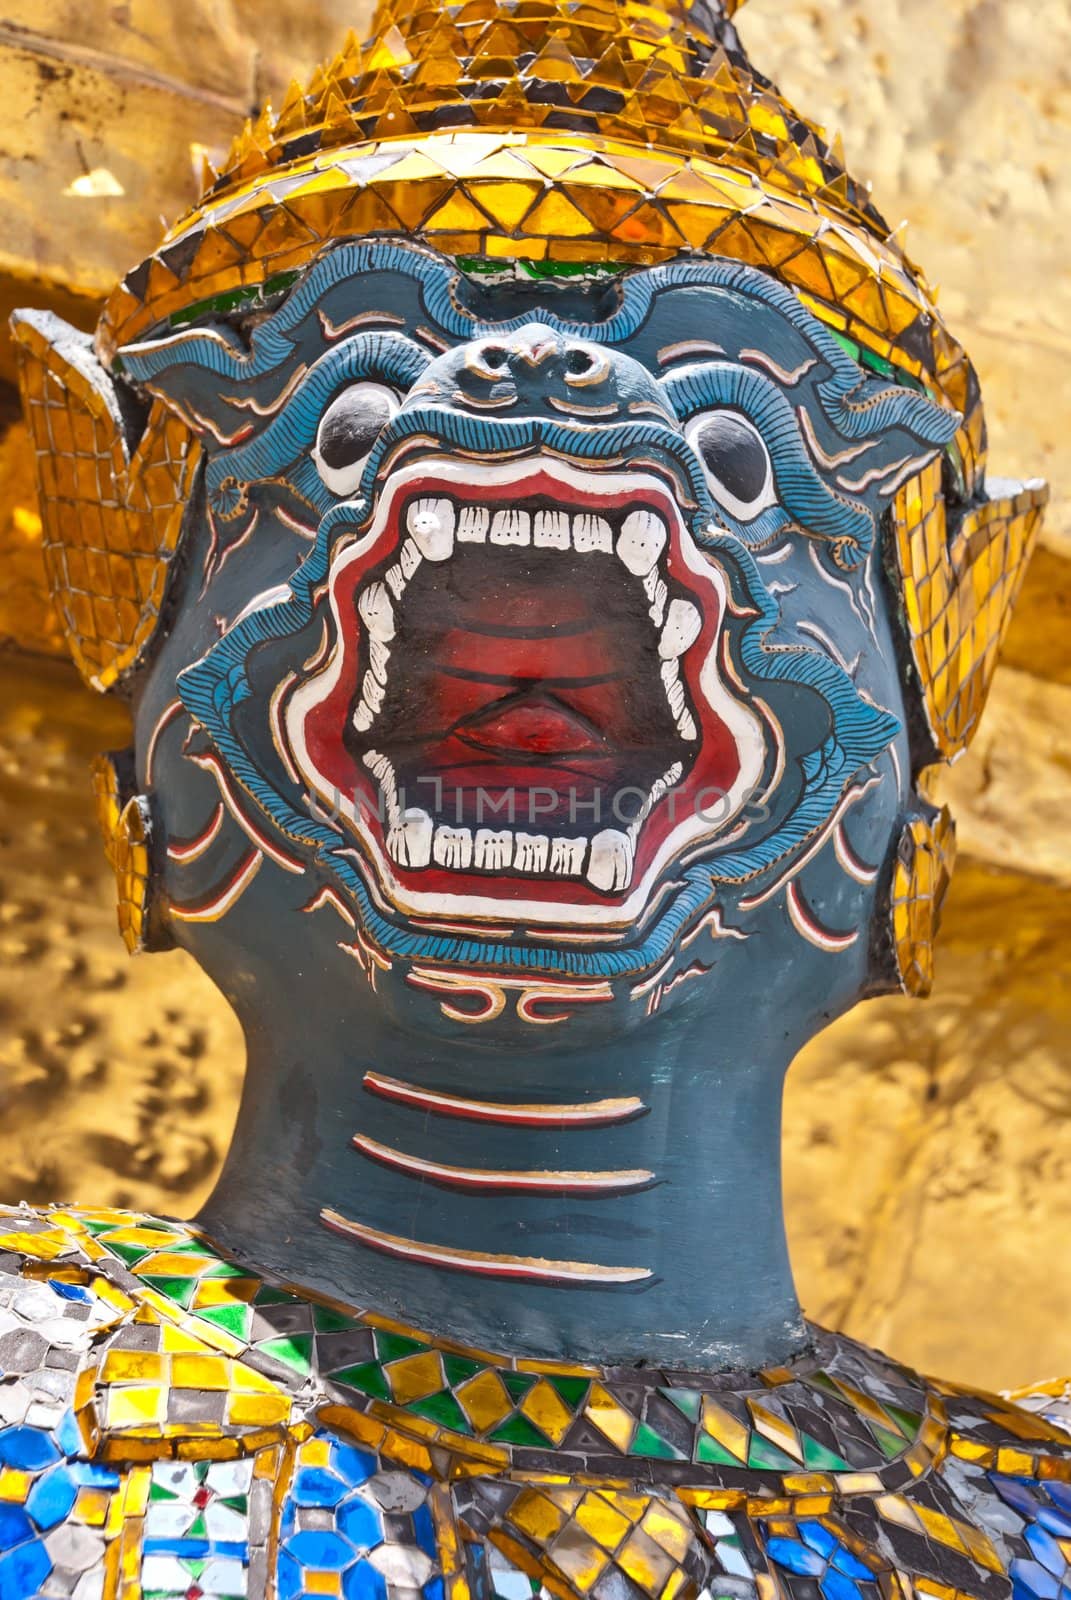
x,y
348,429
735,460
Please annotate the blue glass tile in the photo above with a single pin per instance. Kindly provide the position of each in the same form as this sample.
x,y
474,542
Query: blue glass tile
x,y
1015,1494
91,1473
316,1486
15,1525
819,1538
837,1586
23,1571
434,1589
360,1524
363,1582
1060,1494
70,1291
796,1557
1057,1522
67,1436
287,1577
356,1466
288,1520
51,1498
424,1531
1043,1548
321,1549
845,1562
26,1449
1034,1581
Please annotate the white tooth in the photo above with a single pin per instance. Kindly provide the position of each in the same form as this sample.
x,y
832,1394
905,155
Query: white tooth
x,y
381,769
683,623
610,862
363,717
643,538
655,590
473,523
431,524
373,691
395,581
511,527
671,680
494,851
452,847
567,857
409,841
592,533
530,851
686,726
378,656
376,611
410,558
552,530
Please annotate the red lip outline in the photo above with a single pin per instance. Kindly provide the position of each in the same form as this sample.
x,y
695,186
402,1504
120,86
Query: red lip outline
x,y
312,723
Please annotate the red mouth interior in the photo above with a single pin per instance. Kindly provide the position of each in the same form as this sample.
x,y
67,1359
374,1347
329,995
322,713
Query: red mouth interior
x,y
523,672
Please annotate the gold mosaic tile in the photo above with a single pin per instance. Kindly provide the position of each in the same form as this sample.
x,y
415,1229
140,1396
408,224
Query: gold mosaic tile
x,y
123,825
924,861
109,524
959,586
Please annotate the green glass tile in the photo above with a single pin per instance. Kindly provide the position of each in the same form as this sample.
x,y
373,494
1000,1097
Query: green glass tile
x,y
649,1443
458,1368
190,1247
909,1422
130,1253
235,1318
688,1401
444,1410
95,1229
816,1458
517,1383
518,1430
180,1290
225,1269
158,1492
572,1390
390,1346
294,1350
367,1376
709,1450
890,1444
327,1320
197,1529
766,1457
270,1296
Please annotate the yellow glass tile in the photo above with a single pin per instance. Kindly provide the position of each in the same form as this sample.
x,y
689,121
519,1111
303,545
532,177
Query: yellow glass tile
x,y
776,1429
126,1366
545,1407
485,1400
134,1494
415,1377
644,1562
1014,1463
91,1507
597,1516
135,1405
536,1516
224,1291
200,1372
260,1409
149,1239
668,1528
315,1453
610,1417
582,1564
322,1583
507,202
556,217
14,1485
725,1428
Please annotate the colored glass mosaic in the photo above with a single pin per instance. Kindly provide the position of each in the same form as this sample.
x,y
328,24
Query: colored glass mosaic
x,y
130,1461
124,826
921,873
111,522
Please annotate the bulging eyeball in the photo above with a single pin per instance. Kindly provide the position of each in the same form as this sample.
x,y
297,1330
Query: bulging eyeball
x,y
736,462
348,429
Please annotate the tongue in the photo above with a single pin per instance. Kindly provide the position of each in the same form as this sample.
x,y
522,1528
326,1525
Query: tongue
x,y
538,725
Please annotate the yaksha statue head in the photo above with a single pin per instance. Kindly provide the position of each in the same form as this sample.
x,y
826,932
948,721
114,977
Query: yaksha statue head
x,y
541,521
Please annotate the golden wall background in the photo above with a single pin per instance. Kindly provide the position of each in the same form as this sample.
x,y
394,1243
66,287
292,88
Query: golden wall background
x,y
927,1147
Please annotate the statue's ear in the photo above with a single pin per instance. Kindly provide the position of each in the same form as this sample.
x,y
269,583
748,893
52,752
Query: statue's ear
x,y
113,479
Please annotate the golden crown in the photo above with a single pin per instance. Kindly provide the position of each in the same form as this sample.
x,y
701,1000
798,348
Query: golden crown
x,y
563,134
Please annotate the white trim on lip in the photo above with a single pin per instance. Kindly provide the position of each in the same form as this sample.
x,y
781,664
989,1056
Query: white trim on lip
x,y
742,724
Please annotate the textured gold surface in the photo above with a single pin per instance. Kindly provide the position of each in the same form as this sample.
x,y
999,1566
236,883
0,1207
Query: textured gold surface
x,y
924,860
913,1132
123,825
110,524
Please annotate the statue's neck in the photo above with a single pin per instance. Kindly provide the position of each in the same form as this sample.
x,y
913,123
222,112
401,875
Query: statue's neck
x,y
652,1234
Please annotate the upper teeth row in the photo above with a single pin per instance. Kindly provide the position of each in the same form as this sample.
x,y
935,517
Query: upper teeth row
x,y
435,525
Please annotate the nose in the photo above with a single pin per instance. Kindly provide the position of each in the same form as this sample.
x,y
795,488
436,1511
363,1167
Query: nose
x,y
535,357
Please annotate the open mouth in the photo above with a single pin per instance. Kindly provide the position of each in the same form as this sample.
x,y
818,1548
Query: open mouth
x,y
521,707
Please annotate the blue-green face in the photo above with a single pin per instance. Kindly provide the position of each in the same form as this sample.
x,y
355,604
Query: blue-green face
x,y
533,644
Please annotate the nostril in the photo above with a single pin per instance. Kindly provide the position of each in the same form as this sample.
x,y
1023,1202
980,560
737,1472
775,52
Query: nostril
x,y
578,362
495,356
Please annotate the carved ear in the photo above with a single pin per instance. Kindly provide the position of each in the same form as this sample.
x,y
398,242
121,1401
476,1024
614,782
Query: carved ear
x,y
960,574
112,483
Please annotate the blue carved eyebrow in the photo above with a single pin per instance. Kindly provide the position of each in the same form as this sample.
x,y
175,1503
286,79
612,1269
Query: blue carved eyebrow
x,y
804,495
854,403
